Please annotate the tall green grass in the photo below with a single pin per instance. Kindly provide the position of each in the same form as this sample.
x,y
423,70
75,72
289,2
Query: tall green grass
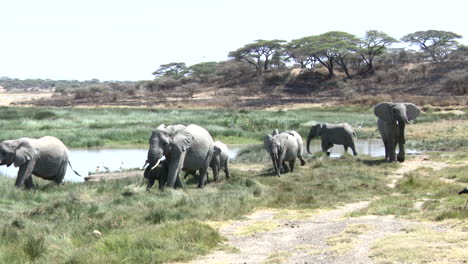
x,y
54,224
132,126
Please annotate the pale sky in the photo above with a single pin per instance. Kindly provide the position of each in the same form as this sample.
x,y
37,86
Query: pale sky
x,y
128,40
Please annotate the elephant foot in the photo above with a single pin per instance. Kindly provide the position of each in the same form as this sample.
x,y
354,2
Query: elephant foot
x,y
401,159
302,162
328,154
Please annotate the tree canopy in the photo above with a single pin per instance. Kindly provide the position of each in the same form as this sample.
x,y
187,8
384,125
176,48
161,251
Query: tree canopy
x,y
374,43
436,43
174,70
258,53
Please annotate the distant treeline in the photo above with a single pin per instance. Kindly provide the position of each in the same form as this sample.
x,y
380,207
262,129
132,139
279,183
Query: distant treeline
x,y
47,84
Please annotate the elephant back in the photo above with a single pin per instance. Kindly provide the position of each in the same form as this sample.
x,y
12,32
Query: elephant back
x,y
291,143
201,148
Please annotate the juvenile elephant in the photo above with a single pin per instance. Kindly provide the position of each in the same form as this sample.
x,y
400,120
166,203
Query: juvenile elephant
x,y
188,148
391,124
331,134
282,147
46,157
220,159
159,173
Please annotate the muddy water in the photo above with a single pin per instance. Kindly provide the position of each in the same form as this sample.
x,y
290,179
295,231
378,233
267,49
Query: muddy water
x,y
102,160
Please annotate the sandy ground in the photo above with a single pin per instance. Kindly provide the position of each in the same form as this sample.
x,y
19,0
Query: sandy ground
x,y
291,236
8,98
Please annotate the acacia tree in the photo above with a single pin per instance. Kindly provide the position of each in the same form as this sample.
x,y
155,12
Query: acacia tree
x,y
295,50
174,70
372,44
203,70
437,43
340,45
258,53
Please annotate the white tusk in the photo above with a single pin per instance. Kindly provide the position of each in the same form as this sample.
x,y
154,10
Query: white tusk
x,y
157,163
144,166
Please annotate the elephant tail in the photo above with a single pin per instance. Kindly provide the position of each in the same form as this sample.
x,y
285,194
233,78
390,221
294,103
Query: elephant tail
x,y
73,169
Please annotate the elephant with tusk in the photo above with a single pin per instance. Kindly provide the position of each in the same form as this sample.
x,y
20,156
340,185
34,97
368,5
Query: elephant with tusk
x,y
184,147
393,118
46,157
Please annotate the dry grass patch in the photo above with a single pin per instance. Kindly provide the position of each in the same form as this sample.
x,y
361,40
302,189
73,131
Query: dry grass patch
x,y
295,214
348,238
280,256
256,227
438,129
421,244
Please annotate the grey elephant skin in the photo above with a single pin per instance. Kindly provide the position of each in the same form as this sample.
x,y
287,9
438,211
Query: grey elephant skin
x,y
185,148
393,118
159,173
220,160
333,134
46,157
282,147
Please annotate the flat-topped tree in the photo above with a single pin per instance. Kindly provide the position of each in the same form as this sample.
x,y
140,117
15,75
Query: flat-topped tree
x,y
373,44
258,53
436,43
175,70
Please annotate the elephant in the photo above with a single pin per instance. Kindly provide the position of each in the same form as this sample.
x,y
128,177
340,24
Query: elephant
x,y
331,134
220,160
187,148
159,173
282,147
391,124
46,157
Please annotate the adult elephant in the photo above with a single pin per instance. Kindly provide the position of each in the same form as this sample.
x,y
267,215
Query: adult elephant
x,y
331,134
46,157
282,147
391,124
189,148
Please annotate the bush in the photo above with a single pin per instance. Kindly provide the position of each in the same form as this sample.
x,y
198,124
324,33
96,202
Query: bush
x,y
457,82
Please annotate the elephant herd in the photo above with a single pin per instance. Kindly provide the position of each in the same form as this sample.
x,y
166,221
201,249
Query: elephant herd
x,y
191,149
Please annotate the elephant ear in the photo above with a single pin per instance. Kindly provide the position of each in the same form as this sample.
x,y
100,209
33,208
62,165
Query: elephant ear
x,y
216,150
412,111
24,153
267,140
318,129
183,140
384,111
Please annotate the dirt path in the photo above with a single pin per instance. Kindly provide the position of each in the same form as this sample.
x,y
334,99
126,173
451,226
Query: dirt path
x,y
292,236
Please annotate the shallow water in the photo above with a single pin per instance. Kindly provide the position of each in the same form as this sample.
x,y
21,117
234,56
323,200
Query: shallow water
x,y
101,160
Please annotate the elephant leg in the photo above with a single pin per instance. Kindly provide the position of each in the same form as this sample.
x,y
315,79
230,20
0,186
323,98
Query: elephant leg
x,y
204,172
387,150
291,165
226,170
24,172
325,146
178,183
28,183
392,150
401,151
345,148
215,170
285,167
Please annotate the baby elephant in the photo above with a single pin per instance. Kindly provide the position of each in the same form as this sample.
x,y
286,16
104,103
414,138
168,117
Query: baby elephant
x,y
159,173
220,160
282,147
339,134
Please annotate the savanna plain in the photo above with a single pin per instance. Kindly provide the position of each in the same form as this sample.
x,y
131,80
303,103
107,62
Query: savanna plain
x,y
55,224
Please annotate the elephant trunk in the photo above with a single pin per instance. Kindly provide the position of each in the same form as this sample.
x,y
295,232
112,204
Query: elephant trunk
x,y
274,159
